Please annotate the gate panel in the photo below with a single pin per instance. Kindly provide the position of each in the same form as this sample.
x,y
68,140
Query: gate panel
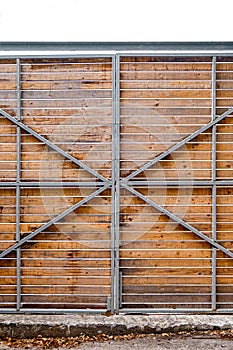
x,y
59,175
168,200
116,183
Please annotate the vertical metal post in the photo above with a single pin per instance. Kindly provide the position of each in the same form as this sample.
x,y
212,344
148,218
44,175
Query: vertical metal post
x,y
214,235
18,176
112,304
115,184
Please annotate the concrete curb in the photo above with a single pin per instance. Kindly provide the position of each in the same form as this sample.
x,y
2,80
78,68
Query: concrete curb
x,y
30,326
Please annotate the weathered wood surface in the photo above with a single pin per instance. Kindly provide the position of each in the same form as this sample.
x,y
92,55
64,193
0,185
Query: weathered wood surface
x,y
69,102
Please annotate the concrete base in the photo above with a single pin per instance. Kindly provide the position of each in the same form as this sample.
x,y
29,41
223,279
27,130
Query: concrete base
x,y
30,326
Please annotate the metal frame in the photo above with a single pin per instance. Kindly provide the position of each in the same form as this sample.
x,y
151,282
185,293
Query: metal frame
x,y
18,176
117,46
214,187
116,51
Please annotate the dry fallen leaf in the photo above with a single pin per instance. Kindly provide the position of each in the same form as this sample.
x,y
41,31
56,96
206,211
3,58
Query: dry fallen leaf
x,y
52,343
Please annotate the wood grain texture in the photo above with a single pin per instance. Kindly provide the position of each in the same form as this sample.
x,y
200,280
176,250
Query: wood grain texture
x,y
70,103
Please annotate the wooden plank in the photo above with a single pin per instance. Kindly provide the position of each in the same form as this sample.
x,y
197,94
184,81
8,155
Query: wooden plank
x,y
63,85
69,103
64,94
166,289
166,59
167,280
169,84
46,272
167,245
223,66
56,61
64,130
66,263
167,102
169,271
76,299
84,111
65,289
168,111
165,253
175,298
166,75
159,66
69,253
224,75
173,306
166,263
55,67
137,92
63,280
5,77
62,76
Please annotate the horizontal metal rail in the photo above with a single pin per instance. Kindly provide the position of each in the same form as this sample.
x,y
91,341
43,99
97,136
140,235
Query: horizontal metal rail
x,y
51,222
52,146
179,221
181,183
51,184
178,145
53,311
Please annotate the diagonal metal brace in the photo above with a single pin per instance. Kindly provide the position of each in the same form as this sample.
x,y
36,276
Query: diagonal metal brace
x,y
178,145
52,146
179,221
52,221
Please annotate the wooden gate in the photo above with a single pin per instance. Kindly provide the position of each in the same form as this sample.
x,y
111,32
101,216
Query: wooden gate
x,y
116,185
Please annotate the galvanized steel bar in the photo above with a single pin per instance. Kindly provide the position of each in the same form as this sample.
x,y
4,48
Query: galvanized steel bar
x,y
179,221
110,54
132,46
52,221
113,185
117,187
51,184
178,145
52,146
168,311
18,177
184,183
53,311
131,183
214,213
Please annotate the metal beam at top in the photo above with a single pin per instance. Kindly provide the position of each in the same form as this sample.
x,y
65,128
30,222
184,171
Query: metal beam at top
x,y
117,46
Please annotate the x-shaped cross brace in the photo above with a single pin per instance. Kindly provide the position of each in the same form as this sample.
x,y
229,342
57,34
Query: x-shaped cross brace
x,y
124,183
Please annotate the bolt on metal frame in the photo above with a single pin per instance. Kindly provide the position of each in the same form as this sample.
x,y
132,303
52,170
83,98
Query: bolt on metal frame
x,y
116,183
